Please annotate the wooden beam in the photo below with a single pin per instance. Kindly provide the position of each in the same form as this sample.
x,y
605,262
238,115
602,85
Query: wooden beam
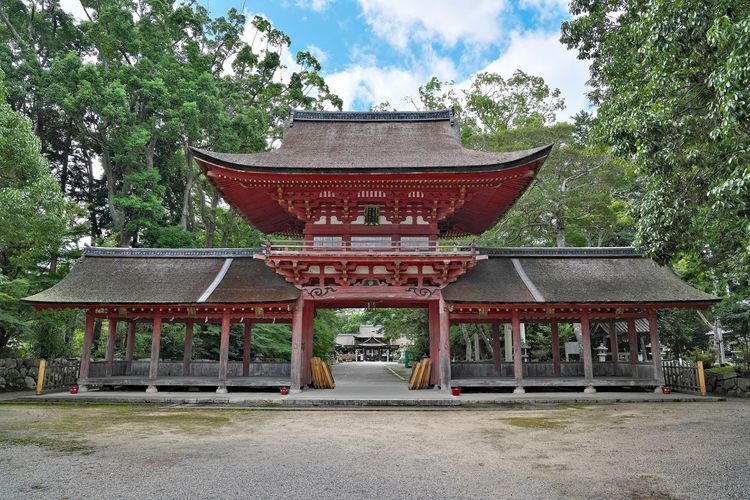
x,y
632,344
88,340
444,351
653,328
614,353
187,353
588,362
517,361
109,356
297,358
130,347
433,313
153,367
247,342
555,334
226,328
496,351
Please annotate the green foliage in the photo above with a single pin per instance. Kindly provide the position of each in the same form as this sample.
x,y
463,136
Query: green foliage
x,y
671,80
734,313
682,331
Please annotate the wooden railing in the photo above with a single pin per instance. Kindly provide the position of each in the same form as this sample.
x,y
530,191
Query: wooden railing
x,y
685,376
289,247
57,375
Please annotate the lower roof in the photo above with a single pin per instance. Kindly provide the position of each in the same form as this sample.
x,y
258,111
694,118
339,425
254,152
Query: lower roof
x,y
115,276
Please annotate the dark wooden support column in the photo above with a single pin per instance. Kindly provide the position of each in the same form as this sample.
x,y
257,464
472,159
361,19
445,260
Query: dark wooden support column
x,y
308,338
632,345
653,328
555,335
444,346
588,362
88,340
187,353
109,356
153,367
296,364
614,353
130,347
515,327
496,352
247,342
433,312
226,328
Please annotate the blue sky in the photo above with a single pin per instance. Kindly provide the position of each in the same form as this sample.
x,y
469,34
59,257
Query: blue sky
x,y
382,50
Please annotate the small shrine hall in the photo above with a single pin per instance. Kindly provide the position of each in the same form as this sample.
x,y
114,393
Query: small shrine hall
x,y
372,209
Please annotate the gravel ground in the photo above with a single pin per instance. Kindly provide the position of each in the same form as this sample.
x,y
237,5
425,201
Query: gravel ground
x,y
649,450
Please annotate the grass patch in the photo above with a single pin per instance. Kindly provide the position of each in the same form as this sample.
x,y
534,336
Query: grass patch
x,y
535,422
721,370
61,445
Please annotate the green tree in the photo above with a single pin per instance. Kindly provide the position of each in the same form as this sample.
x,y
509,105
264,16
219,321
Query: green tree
x,y
672,79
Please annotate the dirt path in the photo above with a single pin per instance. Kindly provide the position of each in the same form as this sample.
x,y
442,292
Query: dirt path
x,y
622,451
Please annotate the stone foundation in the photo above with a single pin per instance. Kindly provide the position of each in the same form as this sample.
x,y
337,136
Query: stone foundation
x,y
18,374
728,384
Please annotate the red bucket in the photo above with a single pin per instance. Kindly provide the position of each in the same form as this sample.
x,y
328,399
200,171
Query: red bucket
x,y
455,391
666,389
74,389
284,390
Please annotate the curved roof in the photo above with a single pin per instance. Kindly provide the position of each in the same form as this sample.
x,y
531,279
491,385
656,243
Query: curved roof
x,y
375,142
568,276
121,276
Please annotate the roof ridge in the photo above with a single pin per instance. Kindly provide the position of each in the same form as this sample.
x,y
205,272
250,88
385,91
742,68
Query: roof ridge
x,y
559,252
373,116
188,253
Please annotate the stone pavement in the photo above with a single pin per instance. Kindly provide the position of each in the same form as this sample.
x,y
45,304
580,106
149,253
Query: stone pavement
x,y
368,385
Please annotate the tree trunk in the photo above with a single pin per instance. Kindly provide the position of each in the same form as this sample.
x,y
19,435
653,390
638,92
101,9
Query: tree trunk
x,y
467,341
118,215
66,156
188,187
477,349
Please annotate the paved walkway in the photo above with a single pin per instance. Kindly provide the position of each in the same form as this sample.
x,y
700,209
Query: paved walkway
x,y
369,384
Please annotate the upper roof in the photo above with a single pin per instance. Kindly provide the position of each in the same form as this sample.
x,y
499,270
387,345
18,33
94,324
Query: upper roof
x,y
394,141
122,276
569,276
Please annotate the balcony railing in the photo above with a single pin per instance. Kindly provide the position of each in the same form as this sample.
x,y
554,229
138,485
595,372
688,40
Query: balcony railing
x,y
374,247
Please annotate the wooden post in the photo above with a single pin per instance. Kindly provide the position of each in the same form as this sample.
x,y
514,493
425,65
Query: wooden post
x,y
433,312
555,334
444,351
88,340
588,362
40,377
614,353
632,346
653,328
308,338
109,356
187,353
153,367
247,342
296,362
226,327
130,348
701,378
515,327
508,340
496,353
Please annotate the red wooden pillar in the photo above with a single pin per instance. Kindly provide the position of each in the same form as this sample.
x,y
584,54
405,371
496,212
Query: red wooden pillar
x,y
444,346
632,345
308,335
247,342
109,356
226,327
153,367
88,340
433,313
296,361
655,349
614,353
130,348
496,352
555,334
515,326
187,353
588,362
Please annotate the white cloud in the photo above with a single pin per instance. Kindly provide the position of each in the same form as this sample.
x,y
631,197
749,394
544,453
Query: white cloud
x,y
314,5
399,21
318,53
74,8
542,54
